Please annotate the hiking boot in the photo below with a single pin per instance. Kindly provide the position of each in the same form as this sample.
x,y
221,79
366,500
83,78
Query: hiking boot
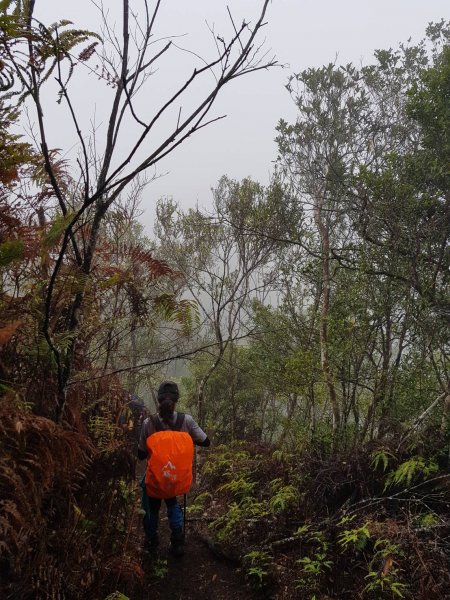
x,y
177,543
151,545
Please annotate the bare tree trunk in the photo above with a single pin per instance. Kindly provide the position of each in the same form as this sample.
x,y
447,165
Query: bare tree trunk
x,y
381,389
292,405
325,310
313,411
232,388
417,422
445,415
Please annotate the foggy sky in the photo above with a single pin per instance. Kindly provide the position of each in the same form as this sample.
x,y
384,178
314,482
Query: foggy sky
x,y
300,33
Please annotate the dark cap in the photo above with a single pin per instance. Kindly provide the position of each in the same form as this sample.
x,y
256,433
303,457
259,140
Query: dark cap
x,y
168,389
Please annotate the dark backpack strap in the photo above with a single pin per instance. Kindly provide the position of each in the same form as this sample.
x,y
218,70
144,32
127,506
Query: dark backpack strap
x,y
156,423
158,426
179,422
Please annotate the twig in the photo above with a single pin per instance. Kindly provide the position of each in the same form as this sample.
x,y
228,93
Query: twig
x,y
419,420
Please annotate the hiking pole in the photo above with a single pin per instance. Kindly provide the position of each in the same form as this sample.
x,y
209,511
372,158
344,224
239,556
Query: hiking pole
x,y
184,515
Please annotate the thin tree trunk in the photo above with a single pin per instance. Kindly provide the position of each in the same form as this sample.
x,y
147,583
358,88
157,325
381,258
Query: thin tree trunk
x,y
132,377
202,386
325,310
232,388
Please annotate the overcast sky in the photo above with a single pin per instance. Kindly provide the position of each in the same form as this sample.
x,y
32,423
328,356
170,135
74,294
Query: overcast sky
x,y
301,33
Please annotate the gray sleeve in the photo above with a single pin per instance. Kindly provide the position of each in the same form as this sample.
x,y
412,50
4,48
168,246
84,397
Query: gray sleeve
x,y
147,429
194,429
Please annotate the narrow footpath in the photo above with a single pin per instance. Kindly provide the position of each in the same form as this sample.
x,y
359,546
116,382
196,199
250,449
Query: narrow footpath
x,y
198,575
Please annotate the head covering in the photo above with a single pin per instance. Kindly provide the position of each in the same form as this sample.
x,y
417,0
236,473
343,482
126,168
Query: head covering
x,y
168,389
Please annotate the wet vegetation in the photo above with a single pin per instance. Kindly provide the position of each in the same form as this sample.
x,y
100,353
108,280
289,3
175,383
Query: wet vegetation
x,y
306,322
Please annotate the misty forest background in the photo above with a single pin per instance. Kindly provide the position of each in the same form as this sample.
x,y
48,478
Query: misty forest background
x,y
306,321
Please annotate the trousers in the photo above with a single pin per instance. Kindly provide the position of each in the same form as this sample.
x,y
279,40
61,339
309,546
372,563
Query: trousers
x,y
152,507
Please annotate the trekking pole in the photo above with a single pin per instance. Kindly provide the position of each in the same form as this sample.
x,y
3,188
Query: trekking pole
x,y
184,515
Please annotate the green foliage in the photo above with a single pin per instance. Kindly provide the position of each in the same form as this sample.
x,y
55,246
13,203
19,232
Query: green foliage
x,y
227,461
377,548
117,596
181,311
428,105
225,415
384,548
229,525
200,502
317,563
316,566
280,455
381,456
52,46
301,369
303,530
427,520
356,538
384,574
284,497
160,568
125,491
103,430
385,584
241,488
256,565
56,230
411,470
11,251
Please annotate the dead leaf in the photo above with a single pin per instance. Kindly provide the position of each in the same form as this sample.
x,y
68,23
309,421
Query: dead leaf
x,y
8,331
387,565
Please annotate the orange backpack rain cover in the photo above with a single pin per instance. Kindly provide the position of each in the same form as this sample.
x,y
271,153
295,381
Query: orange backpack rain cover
x,y
169,466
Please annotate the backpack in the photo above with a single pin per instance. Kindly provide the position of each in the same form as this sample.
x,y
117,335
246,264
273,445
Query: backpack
x,y
169,466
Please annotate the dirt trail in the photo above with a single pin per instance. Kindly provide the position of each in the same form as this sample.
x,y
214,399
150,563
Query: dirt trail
x,y
198,575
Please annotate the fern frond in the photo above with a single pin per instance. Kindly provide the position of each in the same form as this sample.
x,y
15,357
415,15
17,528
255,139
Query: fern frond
x,y
155,268
183,312
415,467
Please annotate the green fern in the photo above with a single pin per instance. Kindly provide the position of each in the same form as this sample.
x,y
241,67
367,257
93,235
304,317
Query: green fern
x,y
286,496
382,456
51,45
239,487
117,596
229,525
410,470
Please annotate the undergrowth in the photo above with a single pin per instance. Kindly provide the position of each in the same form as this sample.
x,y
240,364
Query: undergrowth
x,y
67,505
373,525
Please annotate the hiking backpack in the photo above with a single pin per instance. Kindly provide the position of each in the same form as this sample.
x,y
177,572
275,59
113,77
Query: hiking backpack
x,y
170,457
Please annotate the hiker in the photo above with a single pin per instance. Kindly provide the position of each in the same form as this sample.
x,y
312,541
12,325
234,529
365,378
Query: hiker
x,y
167,419
132,417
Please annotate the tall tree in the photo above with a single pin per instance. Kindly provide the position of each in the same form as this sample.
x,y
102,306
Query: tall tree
x,y
224,266
31,53
357,164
